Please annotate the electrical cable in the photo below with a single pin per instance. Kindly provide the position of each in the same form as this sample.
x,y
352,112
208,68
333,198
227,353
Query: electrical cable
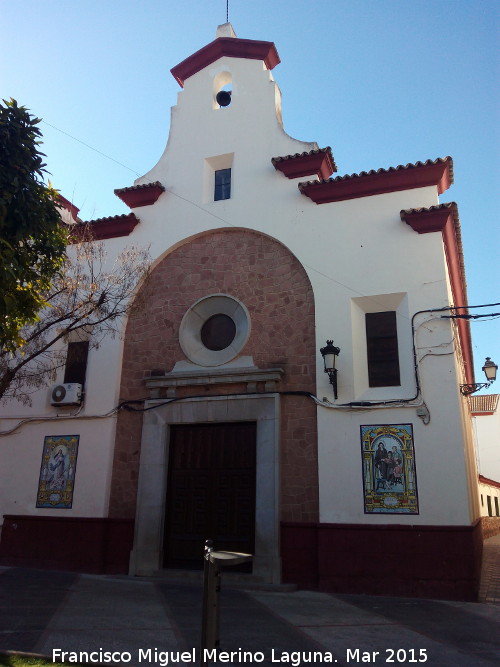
x,y
416,361
34,420
229,224
403,402
469,317
158,403
91,147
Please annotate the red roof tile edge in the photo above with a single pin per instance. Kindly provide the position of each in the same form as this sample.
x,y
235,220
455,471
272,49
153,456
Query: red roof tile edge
x,y
488,481
104,228
437,172
433,219
144,194
226,46
444,218
319,161
68,206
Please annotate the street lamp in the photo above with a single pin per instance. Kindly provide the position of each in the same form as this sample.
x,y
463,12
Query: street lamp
x,y
329,354
490,370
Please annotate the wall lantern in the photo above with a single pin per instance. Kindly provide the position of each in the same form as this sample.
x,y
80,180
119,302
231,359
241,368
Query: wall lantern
x,y
329,354
490,370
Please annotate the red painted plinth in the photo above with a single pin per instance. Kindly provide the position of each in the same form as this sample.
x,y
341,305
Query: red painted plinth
x,y
76,544
442,562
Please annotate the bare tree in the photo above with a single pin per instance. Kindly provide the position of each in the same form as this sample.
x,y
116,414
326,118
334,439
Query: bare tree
x,y
87,296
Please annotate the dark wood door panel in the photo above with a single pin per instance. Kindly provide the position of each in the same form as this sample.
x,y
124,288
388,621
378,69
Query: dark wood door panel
x,y
211,491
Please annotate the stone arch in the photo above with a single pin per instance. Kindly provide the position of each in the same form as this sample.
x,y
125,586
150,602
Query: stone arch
x,y
263,274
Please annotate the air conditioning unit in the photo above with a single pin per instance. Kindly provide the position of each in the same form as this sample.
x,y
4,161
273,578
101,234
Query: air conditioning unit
x,y
69,393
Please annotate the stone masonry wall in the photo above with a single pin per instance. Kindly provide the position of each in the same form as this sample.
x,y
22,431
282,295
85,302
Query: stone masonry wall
x,y
274,287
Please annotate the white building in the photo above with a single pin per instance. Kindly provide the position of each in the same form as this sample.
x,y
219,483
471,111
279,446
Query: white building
x,y
232,430
486,427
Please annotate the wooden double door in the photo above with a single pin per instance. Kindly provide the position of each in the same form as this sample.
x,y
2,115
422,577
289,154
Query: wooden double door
x,y
210,491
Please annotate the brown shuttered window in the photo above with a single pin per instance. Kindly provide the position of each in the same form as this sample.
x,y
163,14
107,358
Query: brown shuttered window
x,y
382,347
76,362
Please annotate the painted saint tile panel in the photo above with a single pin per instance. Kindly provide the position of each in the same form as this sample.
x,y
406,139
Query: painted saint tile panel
x,y
389,475
57,471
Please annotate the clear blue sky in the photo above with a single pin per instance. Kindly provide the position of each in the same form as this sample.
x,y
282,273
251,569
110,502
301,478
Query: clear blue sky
x,y
383,82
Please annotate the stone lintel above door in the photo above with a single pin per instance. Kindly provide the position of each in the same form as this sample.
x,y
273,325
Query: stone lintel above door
x,y
257,380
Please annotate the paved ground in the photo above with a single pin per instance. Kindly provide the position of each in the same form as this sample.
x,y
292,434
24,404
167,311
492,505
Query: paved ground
x,y
43,611
489,590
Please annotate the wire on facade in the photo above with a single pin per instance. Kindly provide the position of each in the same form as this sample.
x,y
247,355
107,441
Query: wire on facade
x,y
229,224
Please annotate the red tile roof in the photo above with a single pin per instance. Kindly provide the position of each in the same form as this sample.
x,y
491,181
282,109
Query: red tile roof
x,y
375,182
68,206
226,46
488,481
105,228
424,220
444,218
144,194
319,161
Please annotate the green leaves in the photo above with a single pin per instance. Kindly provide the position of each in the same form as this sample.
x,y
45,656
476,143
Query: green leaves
x,y
32,236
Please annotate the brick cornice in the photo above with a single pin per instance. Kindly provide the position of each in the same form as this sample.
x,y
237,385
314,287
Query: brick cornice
x,y
319,162
438,173
140,195
444,219
226,46
104,228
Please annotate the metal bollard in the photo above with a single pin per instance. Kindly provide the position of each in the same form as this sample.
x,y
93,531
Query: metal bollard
x,y
210,613
212,578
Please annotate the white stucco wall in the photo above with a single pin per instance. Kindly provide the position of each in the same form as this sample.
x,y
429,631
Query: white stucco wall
x,y
360,257
21,457
488,493
487,437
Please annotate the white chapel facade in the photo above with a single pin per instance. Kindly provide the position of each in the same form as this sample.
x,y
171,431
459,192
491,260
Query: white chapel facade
x,y
228,426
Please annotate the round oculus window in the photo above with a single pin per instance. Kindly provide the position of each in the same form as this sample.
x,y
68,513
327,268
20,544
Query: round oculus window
x,y
218,332
214,330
